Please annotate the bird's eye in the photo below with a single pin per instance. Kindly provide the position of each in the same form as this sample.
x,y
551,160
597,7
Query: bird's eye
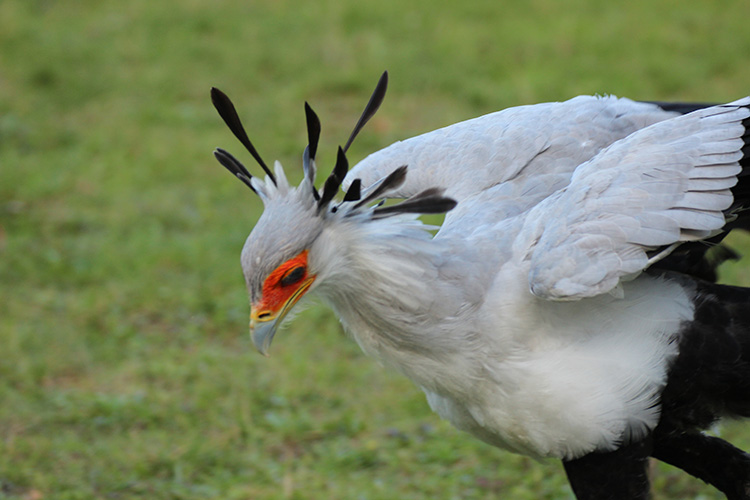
x,y
293,276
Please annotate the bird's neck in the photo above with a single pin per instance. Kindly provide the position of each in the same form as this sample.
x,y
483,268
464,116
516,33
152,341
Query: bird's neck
x,y
394,291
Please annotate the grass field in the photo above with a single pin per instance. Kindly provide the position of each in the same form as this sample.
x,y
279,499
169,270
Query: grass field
x,y
126,370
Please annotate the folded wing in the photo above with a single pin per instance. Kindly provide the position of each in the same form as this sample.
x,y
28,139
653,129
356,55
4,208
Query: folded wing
x,y
513,146
634,201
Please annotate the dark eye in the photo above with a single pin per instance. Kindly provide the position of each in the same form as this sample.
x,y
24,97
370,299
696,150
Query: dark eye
x,y
293,276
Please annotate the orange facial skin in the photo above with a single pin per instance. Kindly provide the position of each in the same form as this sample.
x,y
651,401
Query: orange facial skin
x,y
287,282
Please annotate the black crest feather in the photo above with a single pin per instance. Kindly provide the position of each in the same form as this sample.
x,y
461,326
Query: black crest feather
x,y
392,181
429,201
228,113
332,184
313,130
235,166
313,137
376,99
354,191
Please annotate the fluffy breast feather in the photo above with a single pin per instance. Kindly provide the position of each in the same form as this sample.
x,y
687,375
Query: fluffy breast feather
x,y
566,379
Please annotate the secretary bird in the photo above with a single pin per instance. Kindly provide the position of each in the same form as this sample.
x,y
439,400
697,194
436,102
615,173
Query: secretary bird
x,y
567,306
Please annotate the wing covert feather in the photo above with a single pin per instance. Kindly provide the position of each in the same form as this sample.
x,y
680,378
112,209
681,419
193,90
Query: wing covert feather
x,y
665,184
512,145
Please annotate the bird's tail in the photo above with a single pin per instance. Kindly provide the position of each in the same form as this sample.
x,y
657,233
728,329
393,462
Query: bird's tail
x,y
710,378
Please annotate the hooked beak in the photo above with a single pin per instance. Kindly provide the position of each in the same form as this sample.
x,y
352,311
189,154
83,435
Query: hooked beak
x,y
263,333
263,325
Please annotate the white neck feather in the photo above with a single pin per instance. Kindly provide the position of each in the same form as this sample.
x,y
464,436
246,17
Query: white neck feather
x,y
386,280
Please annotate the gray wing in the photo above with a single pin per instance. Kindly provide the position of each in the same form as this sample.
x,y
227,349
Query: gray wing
x,y
529,150
663,185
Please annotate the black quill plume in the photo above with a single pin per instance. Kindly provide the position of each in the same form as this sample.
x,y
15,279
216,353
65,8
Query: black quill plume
x,y
334,180
429,201
313,130
376,99
354,191
235,166
313,137
392,181
228,113
333,183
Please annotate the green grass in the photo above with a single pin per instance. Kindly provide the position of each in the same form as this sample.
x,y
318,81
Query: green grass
x,y
125,366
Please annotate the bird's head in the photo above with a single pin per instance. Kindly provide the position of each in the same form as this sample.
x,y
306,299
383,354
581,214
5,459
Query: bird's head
x,y
283,258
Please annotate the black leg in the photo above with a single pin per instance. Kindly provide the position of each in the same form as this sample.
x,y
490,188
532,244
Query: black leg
x,y
618,475
711,459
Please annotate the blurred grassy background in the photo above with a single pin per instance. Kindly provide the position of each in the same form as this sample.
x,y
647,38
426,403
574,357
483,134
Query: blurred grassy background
x,y
125,366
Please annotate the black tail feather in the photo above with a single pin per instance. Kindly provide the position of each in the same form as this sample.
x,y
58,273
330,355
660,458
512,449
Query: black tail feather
x,y
710,377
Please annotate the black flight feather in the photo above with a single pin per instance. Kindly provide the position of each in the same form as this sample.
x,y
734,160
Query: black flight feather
x,y
228,113
354,192
233,165
372,106
392,181
334,180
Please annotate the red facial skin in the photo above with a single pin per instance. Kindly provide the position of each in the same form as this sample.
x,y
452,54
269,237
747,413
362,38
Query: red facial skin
x,y
275,293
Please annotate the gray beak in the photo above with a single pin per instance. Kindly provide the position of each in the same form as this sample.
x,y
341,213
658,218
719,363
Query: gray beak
x,y
262,333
